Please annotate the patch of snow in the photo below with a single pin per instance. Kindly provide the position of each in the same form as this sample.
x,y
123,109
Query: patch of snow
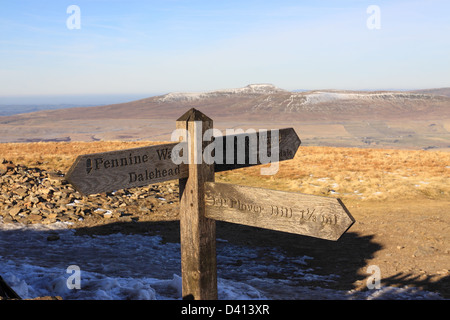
x,y
329,96
106,213
193,96
140,266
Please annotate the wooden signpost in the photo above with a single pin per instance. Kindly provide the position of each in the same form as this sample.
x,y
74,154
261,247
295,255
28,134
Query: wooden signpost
x,y
137,167
315,216
202,201
288,143
114,170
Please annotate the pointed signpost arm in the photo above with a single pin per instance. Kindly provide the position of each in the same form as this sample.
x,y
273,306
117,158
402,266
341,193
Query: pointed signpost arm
x,y
129,168
315,216
198,233
288,146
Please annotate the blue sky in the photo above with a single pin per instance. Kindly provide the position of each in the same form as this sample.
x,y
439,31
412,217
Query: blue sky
x,y
153,47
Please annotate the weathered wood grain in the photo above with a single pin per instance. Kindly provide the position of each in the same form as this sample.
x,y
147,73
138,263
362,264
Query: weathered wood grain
x,y
315,216
197,233
114,170
289,143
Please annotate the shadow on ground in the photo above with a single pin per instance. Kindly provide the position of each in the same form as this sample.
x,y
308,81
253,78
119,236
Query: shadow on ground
x,y
347,258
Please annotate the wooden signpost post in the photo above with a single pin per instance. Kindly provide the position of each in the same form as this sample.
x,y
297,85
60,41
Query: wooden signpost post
x,y
202,201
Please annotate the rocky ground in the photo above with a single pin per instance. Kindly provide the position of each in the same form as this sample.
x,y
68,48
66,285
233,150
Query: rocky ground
x,y
408,241
32,195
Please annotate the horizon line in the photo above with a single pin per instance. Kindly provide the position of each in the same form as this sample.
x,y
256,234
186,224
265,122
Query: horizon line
x,y
189,91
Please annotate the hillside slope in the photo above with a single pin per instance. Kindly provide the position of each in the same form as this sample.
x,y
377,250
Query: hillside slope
x,y
263,102
322,117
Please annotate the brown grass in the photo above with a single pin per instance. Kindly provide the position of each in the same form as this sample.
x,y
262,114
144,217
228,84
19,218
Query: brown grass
x,y
347,173
363,174
59,155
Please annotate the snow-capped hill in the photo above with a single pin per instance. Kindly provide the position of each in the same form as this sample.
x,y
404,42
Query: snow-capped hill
x,y
276,97
194,96
324,96
252,103
260,88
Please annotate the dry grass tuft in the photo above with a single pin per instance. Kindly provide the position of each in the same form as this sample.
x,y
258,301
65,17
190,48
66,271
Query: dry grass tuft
x,y
59,155
347,173
361,174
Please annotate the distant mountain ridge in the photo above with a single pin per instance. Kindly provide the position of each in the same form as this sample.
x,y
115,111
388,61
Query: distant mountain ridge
x,y
251,89
260,101
439,92
367,115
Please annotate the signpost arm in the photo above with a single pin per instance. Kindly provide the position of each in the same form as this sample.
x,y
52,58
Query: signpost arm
x,y
198,233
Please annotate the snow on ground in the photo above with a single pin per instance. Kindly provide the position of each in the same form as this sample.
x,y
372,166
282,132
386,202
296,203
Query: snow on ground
x,y
193,96
321,97
119,266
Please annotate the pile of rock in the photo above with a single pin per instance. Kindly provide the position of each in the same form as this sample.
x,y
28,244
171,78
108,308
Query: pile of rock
x,y
32,195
